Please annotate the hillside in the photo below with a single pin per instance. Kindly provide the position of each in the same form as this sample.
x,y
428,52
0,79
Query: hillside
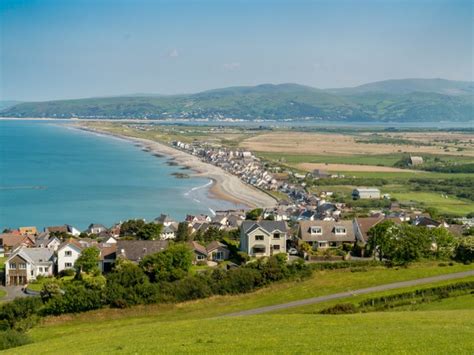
x,y
409,100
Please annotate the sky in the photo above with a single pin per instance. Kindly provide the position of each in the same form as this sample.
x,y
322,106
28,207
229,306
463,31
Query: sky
x,y
61,49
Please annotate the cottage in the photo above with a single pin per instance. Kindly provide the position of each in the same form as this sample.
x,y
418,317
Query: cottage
x,y
63,229
200,252
263,238
326,234
26,264
9,242
164,219
136,250
28,230
45,241
68,253
107,257
363,225
414,161
216,251
366,193
96,228
169,231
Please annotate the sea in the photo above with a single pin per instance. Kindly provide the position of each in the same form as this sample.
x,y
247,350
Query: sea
x,y
52,174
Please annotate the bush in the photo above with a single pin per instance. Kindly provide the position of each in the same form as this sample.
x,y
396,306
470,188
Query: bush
x,y
340,308
11,339
67,272
20,314
76,298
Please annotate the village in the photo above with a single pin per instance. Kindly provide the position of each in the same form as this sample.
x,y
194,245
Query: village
x,y
226,239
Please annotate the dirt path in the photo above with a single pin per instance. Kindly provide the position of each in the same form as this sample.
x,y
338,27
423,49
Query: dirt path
x,y
347,294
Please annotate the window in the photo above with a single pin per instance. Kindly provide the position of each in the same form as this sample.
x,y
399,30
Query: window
x,y
276,235
259,250
68,265
276,247
333,244
219,255
316,230
201,257
13,266
323,244
40,269
259,237
67,253
22,266
340,230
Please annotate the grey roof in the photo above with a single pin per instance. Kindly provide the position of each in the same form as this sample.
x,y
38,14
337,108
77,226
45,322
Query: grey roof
x,y
163,218
97,225
36,255
215,245
328,231
268,226
135,250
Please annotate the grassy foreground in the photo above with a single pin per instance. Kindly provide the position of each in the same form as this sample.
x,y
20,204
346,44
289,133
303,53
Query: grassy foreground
x,y
390,332
191,326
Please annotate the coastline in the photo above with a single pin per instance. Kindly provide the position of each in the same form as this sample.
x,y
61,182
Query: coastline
x,y
225,186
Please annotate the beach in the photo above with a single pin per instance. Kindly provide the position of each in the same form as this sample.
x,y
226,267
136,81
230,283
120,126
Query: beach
x,y
225,186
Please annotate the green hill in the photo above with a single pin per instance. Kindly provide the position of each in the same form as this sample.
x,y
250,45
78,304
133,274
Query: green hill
x,y
409,100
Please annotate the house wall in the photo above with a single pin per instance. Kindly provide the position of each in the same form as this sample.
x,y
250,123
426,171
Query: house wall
x,y
268,241
16,276
63,259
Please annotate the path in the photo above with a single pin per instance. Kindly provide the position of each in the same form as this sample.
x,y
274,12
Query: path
x,y
362,291
12,293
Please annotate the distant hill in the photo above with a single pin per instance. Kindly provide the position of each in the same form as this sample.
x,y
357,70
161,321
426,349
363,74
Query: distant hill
x,y
392,100
4,104
407,86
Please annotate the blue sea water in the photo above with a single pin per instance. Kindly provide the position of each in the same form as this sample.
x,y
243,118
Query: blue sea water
x,y
51,174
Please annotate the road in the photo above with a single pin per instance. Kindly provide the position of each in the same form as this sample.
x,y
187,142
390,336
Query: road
x,y
347,294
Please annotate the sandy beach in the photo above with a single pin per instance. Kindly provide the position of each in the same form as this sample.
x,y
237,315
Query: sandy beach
x,y
225,185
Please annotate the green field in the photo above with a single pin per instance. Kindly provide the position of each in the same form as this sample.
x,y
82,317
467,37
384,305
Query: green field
x,y
191,326
432,199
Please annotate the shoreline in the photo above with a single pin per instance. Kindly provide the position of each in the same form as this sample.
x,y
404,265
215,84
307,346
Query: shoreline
x,y
225,186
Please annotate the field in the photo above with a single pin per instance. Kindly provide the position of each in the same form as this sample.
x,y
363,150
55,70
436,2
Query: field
x,y
444,205
350,145
192,326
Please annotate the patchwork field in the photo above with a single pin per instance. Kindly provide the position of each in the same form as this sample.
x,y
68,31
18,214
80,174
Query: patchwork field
x,y
192,327
351,167
342,144
443,204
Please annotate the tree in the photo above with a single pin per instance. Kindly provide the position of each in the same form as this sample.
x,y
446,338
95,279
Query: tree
x,y
88,261
381,240
464,251
131,227
150,231
182,234
254,214
444,241
169,265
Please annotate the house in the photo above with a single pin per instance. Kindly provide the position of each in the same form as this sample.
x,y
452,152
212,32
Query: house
x,y
414,161
107,257
10,241
200,252
95,228
423,221
363,225
26,264
45,241
136,250
366,193
169,231
326,234
68,253
263,238
320,174
63,229
217,251
28,230
164,219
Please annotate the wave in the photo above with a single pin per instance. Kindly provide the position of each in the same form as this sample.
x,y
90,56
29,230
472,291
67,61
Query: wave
x,y
198,188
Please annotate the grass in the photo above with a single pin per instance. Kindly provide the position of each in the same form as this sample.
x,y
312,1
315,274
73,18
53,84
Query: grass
x,y
448,205
390,332
181,328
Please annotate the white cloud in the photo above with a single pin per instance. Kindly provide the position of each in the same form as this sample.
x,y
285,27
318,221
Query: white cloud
x,y
173,53
231,66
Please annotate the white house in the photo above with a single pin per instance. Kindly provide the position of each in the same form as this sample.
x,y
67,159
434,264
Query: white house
x,y
68,253
26,264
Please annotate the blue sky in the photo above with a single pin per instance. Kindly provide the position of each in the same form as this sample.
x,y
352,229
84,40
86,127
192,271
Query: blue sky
x,y
72,48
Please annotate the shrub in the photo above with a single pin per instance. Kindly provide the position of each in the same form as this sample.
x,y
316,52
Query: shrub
x,y
67,272
76,298
20,314
11,339
340,308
